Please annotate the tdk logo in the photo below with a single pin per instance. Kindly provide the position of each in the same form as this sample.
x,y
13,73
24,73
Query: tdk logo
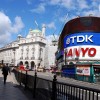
x,y
79,39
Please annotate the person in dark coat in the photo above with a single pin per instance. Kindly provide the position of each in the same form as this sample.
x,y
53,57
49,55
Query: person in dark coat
x,y
5,71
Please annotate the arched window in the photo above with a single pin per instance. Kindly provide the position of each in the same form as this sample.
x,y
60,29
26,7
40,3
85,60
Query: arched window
x,y
32,64
26,63
21,63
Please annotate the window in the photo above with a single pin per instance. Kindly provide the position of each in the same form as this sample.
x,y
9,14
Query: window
x,y
22,50
41,49
21,58
33,49
27,49
26,58
33,58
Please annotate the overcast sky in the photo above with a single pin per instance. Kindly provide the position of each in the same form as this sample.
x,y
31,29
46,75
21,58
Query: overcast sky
x,y
18,16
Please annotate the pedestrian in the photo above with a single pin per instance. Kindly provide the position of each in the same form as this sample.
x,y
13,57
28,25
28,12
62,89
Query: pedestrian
x,y
5,71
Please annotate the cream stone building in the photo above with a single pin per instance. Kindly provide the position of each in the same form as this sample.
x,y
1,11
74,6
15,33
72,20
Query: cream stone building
x,y
29,51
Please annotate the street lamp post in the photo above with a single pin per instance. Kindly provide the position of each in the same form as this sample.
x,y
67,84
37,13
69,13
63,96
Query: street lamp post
x,y
65,56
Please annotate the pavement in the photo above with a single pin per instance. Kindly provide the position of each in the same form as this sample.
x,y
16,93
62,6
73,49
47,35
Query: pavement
x,y
11,90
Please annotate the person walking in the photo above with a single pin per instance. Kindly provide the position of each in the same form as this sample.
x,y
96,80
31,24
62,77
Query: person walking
x,y
5,71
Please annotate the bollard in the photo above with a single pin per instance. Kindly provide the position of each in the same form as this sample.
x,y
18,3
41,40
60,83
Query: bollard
x,y
26,80
34,89
54,89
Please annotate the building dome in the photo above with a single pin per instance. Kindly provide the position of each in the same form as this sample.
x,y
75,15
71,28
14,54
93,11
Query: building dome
x,y
19,35
35,32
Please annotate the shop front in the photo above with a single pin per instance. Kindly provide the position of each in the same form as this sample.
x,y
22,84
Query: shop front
x,y
89,72
96,68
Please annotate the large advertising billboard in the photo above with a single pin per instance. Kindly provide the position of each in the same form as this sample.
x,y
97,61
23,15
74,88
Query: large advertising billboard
x,y
83,45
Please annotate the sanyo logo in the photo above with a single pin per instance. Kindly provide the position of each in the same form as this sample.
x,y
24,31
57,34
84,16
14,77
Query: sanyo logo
x,y
79,39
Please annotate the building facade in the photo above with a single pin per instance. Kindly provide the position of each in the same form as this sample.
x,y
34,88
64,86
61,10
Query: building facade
x,y
27,51
79,41
32,51
50,51
79,49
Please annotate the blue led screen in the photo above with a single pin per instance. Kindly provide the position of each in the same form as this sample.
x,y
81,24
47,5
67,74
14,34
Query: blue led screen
x,y
82,38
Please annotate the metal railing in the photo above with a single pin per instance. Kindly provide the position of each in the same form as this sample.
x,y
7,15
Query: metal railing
x,y
53,90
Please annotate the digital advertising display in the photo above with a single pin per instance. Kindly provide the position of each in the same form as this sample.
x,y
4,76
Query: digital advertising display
x,y
83,45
